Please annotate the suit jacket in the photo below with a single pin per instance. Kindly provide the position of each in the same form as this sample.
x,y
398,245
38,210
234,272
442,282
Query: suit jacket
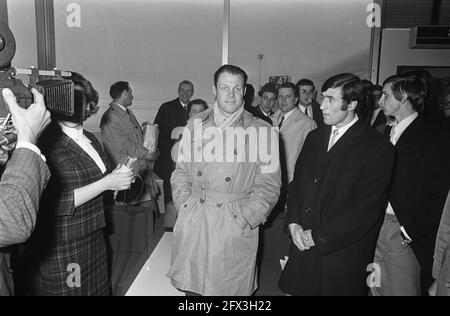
x,y
258,113
317,114
341,195
441,265
293,133
419,188
170,116
21,187
380,120
72,168
122,137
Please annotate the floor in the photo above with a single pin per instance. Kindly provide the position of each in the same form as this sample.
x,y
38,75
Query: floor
x,y
151,279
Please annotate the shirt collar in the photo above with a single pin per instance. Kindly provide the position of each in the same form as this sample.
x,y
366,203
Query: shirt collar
x,y
403,124
286,116
182,104
345,128
120,106
264,113
74,133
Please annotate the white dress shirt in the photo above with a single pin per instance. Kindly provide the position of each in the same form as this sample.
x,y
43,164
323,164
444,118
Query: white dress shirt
x,y
306,110
31,147
120,106
342,130
77,135
396,132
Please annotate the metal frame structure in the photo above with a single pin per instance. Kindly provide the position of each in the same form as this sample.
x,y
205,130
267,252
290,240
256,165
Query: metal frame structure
x,y
45,34
375,47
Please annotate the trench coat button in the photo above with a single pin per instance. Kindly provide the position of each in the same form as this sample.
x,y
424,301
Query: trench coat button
x,y
219,204
236,152
185,205
235,216
308,210
227,179
199,174
316,180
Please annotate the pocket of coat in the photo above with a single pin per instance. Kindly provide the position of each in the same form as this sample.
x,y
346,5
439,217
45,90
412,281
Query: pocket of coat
x,y
235,211
185,211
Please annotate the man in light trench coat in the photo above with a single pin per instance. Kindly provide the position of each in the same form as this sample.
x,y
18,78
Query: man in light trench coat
x,y
224,188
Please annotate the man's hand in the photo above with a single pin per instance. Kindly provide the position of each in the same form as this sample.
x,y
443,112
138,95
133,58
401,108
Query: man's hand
x,y
31,122
432,289
307,239
297,236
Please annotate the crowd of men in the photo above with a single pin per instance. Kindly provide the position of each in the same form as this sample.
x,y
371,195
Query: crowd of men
x,y
364,180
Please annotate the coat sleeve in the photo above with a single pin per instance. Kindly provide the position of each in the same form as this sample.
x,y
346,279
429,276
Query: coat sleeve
x,y
442,240
266,186
294,201
118,143
181,177
367,206
21,187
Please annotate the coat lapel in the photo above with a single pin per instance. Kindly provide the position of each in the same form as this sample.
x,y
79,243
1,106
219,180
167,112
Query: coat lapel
x,y
346,141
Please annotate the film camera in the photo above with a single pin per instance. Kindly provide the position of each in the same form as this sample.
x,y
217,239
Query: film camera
x,y
58,92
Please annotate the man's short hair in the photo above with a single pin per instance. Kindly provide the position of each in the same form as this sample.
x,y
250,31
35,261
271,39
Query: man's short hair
x,y
413,84
290,85
234,70
186,82
118,88
305,82
197,101
350,84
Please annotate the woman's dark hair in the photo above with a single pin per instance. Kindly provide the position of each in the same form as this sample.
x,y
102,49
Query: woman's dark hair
x,y
85,100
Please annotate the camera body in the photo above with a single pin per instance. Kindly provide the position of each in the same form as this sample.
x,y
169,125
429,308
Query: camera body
x,y
59,93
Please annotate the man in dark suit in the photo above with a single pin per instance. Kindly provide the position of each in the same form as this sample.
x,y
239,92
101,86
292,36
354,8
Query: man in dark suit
x,y
268,95
307,101
171,115
377,118
419,190
23,181
337,198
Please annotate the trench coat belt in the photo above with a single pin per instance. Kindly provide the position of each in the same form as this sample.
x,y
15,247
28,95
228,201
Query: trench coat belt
x,y
217,197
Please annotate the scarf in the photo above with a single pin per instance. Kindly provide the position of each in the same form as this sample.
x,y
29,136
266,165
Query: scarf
x,y
222,121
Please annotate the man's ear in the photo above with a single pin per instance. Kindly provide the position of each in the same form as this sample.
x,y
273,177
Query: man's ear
x,y
404,97
215,91
352,106
315,95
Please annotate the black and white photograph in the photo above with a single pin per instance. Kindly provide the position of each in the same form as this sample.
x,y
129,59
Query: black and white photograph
x,y
225,154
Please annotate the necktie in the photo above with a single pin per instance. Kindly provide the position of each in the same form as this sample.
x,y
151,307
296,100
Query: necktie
x,y
308,111
281,122
333,138
392,135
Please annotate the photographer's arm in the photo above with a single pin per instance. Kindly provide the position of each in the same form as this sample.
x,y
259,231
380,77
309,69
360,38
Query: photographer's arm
x,y
26,174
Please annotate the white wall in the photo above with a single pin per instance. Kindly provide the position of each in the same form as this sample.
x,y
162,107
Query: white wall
x,y
395,52
154,44
300,38
22,22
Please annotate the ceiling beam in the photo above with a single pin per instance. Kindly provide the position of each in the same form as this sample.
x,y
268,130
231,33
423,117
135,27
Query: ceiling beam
x,y
226,32
4,11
